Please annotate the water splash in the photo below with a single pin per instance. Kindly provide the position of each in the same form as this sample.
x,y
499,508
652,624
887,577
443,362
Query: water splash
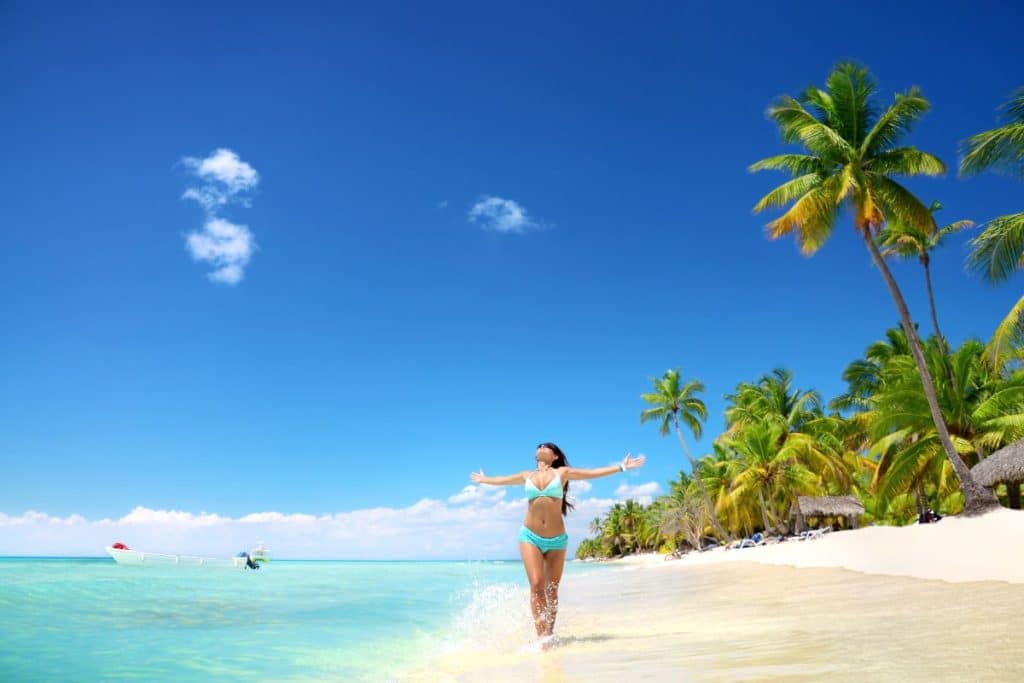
x,y
495,618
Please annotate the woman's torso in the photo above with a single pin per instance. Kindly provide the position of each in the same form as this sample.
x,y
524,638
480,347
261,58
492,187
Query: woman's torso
x,y
544,513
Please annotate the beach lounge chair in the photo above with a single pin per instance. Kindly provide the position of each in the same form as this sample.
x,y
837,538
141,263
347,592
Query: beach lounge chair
x,y
751,542
814,533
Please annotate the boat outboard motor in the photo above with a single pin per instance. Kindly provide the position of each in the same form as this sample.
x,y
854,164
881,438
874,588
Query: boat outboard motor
x,y
249,563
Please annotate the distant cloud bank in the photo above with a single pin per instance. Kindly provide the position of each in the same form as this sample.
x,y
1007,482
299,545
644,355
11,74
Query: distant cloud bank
x,y
226,246
478,522
501,215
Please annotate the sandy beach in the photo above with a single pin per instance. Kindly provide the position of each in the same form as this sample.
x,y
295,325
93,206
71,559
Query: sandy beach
x,y
922,603
988,548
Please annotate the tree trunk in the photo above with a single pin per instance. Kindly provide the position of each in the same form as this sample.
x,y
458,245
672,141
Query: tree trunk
x,y
775,514
764,511
700,483
977,499
1013,494
935,318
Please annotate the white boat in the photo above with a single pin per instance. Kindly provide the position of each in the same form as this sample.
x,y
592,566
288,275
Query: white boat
x,y
259,553
138,557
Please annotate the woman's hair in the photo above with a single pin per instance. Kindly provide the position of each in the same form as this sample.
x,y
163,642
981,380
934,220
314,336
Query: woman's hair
x,y
560,461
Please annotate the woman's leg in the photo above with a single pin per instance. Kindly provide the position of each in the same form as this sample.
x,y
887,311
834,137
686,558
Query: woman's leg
x,y
554,563
533,562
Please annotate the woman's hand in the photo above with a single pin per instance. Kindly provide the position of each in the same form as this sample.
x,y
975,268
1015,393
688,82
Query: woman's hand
x,y
477,477
631,463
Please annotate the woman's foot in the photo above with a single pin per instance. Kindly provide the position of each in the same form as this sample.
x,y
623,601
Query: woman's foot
x,y
547,642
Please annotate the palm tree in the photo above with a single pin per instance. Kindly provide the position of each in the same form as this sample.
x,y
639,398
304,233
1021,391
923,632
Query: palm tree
x,y
772,399
864,375
983,412
909,241
614,532
718,470
767,472
686,517
671,403
999,250
852,159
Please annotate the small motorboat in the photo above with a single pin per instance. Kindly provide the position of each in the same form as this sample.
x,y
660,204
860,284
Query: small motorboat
x,y
122,554
259,553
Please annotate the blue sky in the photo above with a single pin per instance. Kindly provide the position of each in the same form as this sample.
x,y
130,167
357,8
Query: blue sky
x,y
380,344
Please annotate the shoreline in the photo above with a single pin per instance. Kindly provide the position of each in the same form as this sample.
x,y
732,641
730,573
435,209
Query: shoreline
x,y
956,550
914,604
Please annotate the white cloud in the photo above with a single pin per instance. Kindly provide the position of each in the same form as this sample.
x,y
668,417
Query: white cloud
x,y
476,523
225,170
474,493
221,243
501,215
582,486
443,204
224,245
642,493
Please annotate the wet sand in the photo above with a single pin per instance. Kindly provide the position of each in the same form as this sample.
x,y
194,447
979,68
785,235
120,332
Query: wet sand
x,y
939,602
749,622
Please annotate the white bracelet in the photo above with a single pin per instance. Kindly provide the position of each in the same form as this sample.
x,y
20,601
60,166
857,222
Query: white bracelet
x,y
622,468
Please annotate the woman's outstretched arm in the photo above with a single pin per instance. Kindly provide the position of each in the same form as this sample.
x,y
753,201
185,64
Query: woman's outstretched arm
x,y
510,480
628,463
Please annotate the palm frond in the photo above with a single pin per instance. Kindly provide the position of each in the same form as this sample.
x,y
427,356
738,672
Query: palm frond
x,y
795,164
955,226
901,204
895,122
999,249
813,215
1008,337
799,125
1001,149
823,105
1014,108
788,192
906,161
906,245
907,467
850,88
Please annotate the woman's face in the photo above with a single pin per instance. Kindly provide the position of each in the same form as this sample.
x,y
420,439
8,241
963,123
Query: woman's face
x,y
545,456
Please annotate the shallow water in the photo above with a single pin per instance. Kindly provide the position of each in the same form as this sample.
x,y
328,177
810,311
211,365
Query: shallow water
x,y
749,622
90,620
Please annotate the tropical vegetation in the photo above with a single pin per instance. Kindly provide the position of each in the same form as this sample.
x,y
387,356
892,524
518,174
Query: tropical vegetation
x,y
916,413
999,250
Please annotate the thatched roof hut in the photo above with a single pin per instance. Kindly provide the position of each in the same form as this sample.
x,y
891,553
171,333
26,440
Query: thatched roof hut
x,y
849,507
1005,466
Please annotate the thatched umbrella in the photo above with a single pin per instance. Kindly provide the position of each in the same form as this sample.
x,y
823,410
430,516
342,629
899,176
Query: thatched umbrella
x,y
1005,466
849,507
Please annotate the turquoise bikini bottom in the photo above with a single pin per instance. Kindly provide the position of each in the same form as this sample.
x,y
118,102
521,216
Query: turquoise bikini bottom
x,y
559,542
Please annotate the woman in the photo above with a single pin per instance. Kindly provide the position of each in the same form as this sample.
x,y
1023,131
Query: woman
x,y
542,538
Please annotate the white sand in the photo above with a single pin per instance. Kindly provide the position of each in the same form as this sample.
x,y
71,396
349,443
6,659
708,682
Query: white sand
x,y
956,549
723,615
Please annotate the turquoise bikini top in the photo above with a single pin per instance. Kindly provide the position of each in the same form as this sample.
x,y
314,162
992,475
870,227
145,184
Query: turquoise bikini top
x,y
552,490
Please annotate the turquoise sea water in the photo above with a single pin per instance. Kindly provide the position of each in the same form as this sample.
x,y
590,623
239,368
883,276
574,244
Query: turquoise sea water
x,y
91,619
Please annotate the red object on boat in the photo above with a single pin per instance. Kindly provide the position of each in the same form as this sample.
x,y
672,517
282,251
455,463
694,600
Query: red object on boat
x,y
119,546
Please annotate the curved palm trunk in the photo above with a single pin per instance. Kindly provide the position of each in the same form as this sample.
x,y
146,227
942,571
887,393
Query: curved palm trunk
x,y
775,514
700,483
931,302
977,498
921,498
764,511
